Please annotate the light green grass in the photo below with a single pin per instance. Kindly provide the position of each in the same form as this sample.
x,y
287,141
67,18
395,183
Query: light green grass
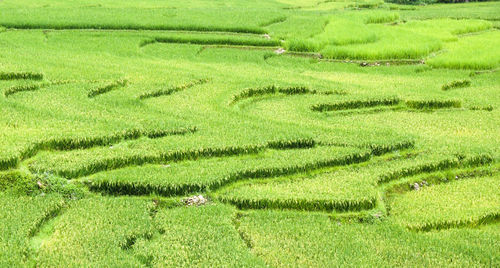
x,y
213,106
20,219
202,175
285,239
203,236
470,52
96,232
462,203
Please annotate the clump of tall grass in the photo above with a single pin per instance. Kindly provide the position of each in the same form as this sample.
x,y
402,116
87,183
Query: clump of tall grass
x,y
272,89
488,108
171,90
381,17
433,104
107,88
455,84
20,75
14,89
355,104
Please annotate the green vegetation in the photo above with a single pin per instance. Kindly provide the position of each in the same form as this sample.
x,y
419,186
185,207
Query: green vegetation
x,y
202,175
202,236
463,203
308,239
87,233
281,133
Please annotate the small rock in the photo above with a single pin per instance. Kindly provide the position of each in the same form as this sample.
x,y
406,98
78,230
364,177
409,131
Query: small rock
x,y
40,185
416,186
266,36
195,200
279,51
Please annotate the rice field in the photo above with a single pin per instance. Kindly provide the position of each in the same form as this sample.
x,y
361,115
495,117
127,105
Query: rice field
x,y
283,133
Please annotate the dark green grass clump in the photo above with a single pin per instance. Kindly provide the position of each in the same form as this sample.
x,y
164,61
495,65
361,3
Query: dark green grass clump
x,y
456,84
355,104
130,26
16,89
20,75
107,88
272,89
433,104
171,90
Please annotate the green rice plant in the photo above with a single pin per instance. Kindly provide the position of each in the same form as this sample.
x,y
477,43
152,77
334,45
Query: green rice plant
x,y
88,142
355,104
15,89
475,52
471,161
392,43
447,29
337,191
202,175
461,203
289,238
366,4
338,31
20,75
488,108
8,162
271,90
33,87
81,163
202,236
381,17
87,233
107,88
273,21
20,219
213,40
171,90
416,182
433,104
455,84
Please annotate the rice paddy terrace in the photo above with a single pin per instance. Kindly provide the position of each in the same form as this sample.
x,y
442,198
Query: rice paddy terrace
x,y
319,133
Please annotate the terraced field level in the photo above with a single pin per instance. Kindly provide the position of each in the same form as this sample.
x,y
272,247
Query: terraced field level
x,y
230,133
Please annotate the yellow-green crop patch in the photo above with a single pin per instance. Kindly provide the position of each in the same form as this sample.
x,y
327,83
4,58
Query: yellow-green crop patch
x,y
463,203
282,133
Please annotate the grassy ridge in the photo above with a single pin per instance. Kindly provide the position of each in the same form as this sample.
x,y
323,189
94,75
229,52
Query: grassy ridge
x,y
20,75
213,40
471,161
82,163
107,88
271,90
171,90
183,178
338,191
